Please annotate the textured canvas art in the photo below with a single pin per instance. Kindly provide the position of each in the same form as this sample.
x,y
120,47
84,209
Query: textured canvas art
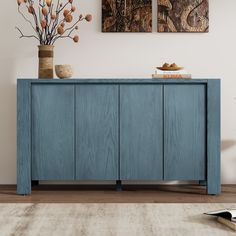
x,y
183,15
127,15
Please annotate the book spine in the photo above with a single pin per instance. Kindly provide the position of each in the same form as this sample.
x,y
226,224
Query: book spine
x,y
171,72
226,222
172,76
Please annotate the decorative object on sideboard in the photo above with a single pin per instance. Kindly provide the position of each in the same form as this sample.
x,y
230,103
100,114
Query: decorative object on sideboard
x,y
45,69
64,71
50,21
126,16
171,71
169,67
183,16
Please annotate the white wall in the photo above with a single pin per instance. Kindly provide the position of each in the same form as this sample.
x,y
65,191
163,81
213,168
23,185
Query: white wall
x,y
122,55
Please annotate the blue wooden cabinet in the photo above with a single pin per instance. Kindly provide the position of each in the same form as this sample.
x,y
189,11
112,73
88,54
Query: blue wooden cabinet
x,y
52,113
118,129
185,132
97,132
141,132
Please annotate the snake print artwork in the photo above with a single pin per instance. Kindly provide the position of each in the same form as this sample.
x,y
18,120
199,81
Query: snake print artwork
x,y
127,15
183,16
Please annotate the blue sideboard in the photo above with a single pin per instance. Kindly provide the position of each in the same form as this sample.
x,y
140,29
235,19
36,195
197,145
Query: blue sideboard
x,y
118,129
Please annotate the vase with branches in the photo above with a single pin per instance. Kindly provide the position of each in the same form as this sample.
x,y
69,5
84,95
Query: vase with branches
x,y
50,21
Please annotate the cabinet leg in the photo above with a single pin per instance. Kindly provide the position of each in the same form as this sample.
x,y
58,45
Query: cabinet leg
x,y
213,188
118,185
34,183
202,182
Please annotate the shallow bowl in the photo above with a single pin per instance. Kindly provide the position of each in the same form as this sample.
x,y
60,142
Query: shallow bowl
x,y
64,71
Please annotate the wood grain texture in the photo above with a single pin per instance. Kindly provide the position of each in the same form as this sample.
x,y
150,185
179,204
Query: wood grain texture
x,y
100,193
183,16
96,132
141,130
117,81
126,16
53,132
213,137
97,137
23,137
184,132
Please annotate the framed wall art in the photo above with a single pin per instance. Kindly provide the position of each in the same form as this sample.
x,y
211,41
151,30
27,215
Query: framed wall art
x,y
183,15
126,15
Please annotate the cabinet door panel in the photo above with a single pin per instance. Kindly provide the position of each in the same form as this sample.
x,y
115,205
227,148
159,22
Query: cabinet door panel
x,y
184,132
53,132
141,132
96,132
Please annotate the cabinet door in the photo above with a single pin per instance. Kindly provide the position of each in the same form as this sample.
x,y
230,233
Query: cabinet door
x,y
184,132
53,132
96,132
141,132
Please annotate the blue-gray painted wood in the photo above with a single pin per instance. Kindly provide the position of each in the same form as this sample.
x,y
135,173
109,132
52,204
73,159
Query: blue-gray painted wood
x,y
141,132
184,132
117,81
213,137
101,104
53,132
23,138
97,132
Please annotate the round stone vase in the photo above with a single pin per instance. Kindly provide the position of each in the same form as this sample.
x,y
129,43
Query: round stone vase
x,y
45,55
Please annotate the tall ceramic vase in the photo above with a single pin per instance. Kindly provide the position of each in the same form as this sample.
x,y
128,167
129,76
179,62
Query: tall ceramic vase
x,y
45,62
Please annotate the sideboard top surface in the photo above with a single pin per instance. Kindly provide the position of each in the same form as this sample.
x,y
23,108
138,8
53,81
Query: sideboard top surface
x,y
116,81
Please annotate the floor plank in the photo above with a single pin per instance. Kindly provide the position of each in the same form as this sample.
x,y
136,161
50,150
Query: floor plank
x,y
107,194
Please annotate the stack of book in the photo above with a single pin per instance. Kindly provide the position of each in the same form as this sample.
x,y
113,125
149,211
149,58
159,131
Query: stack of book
x,y
169,74
226,217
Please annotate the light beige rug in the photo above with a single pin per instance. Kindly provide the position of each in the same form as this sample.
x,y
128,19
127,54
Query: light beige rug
x,y
110,219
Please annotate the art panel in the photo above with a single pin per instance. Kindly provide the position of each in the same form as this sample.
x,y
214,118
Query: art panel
x,y
126,15
183,15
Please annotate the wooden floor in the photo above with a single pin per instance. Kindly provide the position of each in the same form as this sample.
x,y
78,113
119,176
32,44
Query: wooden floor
x,y
107,194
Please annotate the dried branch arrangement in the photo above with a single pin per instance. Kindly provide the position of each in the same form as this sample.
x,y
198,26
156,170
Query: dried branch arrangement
x,y
50,21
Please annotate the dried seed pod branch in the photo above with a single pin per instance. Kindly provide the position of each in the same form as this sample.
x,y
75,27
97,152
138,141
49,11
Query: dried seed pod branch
x,y
50,20
59,9
26,36
64,36
26,19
